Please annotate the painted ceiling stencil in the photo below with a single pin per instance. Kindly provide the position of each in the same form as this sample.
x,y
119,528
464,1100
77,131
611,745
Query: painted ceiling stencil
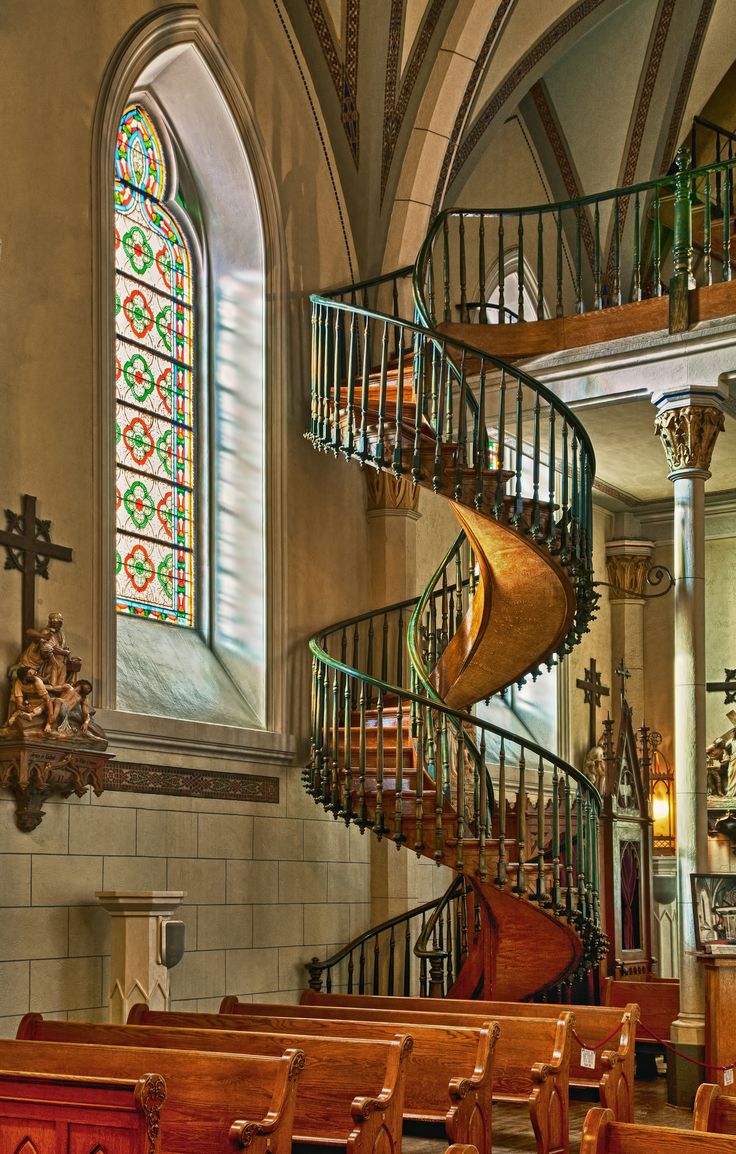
x,y
470,90
394,110
686,81
654,59
558,144
515,78
343,69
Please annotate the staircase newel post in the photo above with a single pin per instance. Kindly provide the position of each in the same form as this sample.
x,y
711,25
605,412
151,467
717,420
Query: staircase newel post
x,y
681,280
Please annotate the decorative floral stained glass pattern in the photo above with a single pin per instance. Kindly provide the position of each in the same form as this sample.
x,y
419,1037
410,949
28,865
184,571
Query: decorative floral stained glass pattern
x,y
154,435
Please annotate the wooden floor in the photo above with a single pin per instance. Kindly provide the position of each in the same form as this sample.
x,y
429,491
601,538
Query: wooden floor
x,y
512,1130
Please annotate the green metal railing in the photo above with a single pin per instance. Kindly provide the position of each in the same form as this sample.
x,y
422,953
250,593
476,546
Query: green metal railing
x,y
416,953
605,249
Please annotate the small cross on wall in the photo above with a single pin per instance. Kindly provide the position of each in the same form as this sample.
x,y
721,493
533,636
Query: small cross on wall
x,y
594,690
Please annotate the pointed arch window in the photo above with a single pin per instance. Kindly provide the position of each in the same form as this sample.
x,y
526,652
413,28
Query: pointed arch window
x,y
155,387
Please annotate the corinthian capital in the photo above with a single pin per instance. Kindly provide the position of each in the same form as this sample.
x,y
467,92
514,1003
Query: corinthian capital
x,y
688,435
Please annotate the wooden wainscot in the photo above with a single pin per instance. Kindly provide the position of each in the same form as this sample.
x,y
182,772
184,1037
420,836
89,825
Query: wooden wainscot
x,y
68,1113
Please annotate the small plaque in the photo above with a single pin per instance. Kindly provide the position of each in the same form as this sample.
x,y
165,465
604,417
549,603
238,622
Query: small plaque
x,y
728,1076
587,1059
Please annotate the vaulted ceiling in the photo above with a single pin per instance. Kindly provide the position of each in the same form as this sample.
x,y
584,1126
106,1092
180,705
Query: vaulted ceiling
x,y
503,102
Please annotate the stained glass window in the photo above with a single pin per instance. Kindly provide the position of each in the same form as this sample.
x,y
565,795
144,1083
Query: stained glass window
x,y
154,433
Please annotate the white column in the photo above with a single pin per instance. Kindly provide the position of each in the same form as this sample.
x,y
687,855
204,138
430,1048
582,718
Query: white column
x,y
688,424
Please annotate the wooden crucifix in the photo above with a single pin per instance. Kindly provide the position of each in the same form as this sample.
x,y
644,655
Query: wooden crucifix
x,y
594,690
624,674
28,548
728,686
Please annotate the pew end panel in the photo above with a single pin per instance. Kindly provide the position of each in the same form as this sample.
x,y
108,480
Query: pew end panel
x,y
549,1101
207,1092
714,1111
619,1069
67,1113
603,1135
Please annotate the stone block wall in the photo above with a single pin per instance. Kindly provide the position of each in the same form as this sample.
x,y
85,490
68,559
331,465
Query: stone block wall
x,y
268,887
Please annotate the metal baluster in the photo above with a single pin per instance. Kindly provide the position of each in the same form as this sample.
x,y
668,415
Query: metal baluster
x,y
569,861
540,894
483,311
481,443
637,252
384,649
463,294
398,332
501,864
483,830
347,772
419,785
444,634
397,462
551,478
500,483
399,790
337,358
519,502
379,449
440,777
423,968
556,903
707,232
376,967
379,828
565,518
365,385
449,946
391,949
520,268
579,260
328,983
361,969
351,968
536,448
574,526
597,256
420,369
369,657
459,587
362,808
727,208
460,802
656,255
446,267
313,379
580,850
400,649
540,268
617,298
558,303
501,273
407,960
356,649
445,370
520,886
461,456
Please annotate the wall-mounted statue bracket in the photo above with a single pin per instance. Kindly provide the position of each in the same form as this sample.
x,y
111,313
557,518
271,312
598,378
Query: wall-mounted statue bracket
x,y
36,772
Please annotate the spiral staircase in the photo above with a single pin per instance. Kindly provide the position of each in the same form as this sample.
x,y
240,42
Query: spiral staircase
x,y
399,743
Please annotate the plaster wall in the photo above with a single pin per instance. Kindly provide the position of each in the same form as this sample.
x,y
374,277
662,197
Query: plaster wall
x,y
267,885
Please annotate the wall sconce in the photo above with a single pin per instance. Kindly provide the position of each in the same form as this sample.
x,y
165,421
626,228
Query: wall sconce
x,y
661,792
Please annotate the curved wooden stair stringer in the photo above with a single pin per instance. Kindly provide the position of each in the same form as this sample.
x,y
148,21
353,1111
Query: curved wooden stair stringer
x,y
527,609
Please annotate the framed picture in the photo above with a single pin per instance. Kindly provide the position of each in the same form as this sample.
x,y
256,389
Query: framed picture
x,y
714,908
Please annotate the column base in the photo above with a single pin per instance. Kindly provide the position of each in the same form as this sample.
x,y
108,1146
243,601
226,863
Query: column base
x,y
683,1077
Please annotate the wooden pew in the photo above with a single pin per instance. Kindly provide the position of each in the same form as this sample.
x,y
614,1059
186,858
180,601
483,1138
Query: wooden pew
x,y
66,1113
216,1103
530,1063
603,1135
614,1071
350,1091
659,1004
714,1111
449,1078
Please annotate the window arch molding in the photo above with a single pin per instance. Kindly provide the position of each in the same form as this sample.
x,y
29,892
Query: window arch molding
x,y
184,31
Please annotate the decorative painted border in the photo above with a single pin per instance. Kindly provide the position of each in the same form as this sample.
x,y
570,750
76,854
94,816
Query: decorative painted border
x,y
686,80
394,111
470,90
318,126
558,144
654,59
515,77
344,73
168,781
618,494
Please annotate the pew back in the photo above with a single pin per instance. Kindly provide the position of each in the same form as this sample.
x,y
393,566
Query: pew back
x,y
614,1068
65,1114
714,1111
530,1062
603,1135
350,1091
216,1103
658,1001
